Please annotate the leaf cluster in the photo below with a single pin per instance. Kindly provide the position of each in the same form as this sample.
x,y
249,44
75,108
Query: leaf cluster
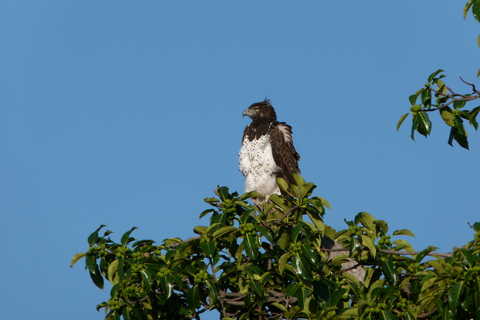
x,y
273,263
422,102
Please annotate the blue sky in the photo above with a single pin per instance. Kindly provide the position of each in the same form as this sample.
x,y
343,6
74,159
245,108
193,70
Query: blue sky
x,y
129,114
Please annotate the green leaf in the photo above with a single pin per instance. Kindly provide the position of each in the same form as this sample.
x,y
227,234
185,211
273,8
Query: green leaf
x,y
408,316
126,237
339,259
414,126
403,232
433,75
413,99
382,225
282,262
476,297
354,245
112,272
295,232
193,298
91,263
200,229
205,212
146,305
282,184
368,221
292,289
248,195
473,115
476,226
476,10
459,133
459,104
298,179
301,266
310,254
211,200
147,280
424,125
467,8
213,293
390,271
92,239
324,202
317,221
441,87
251,246
209,248
468,256
97,278
403,245
121,274
302,296
222,231
76,257
257,287
284,240
266,233
277,305
223,193
279,201
437,265
400,121
447,116
306,190
167,286
337,296
386,315
454,294
209,229
453,131
368,242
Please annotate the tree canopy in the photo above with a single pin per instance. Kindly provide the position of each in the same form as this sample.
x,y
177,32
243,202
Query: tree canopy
x,y
275,262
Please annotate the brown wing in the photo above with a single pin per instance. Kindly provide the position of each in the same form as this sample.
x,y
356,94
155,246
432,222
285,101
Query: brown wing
x,y
284,153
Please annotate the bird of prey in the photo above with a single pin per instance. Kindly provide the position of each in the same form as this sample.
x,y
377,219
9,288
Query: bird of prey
x,y
267,151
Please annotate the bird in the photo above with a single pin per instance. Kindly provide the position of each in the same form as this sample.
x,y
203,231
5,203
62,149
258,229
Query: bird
x,y
267,151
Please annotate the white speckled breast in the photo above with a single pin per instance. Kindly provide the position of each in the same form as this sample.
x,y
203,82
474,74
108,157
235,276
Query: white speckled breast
x,y
258,166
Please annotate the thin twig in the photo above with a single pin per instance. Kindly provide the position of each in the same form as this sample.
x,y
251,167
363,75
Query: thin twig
x,y
470,84
286,214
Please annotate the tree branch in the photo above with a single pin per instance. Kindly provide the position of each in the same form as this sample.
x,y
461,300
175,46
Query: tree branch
x,y
400,253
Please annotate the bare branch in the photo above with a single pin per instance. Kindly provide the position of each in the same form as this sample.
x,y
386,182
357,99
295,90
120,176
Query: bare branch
x,y
470,84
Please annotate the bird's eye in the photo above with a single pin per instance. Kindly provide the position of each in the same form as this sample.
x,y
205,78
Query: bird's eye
x,y
256,109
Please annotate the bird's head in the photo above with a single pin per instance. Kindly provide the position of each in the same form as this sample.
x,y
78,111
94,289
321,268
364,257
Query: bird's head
x,y
261,111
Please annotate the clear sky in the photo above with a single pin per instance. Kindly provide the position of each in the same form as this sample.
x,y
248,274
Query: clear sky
x,y
129,114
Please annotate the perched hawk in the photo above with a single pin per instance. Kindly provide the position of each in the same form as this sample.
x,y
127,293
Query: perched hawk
x,y
267,151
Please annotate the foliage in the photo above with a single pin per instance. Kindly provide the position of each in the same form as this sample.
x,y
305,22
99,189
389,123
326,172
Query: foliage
x,y
445,98
250,263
